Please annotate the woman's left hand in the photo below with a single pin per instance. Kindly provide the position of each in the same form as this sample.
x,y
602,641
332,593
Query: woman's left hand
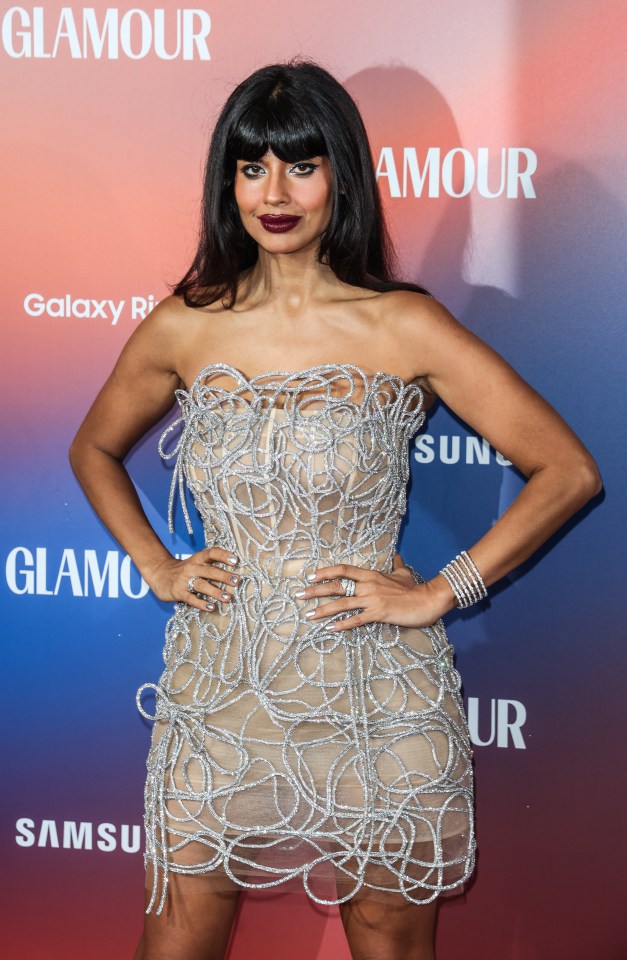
x,y
381,597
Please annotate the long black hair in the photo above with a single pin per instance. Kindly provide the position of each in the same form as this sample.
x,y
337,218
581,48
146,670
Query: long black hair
x,y
298,110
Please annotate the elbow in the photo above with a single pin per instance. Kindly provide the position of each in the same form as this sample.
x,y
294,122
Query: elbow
x,y
575,481
75,454
587,479
83,453
72,455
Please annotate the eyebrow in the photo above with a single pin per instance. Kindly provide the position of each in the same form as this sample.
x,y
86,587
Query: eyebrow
x,y
313,156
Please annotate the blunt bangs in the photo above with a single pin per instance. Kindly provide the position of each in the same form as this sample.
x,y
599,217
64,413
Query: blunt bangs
x,y
279,124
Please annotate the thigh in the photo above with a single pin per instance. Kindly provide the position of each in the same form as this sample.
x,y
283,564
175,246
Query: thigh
x,y
382,924
195,923
387,927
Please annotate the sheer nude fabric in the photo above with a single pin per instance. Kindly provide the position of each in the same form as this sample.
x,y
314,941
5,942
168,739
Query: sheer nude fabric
x,y
284,754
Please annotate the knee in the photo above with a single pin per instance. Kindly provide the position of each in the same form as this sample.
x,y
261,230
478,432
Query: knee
x,y
395,952
383,941
181,952
173,947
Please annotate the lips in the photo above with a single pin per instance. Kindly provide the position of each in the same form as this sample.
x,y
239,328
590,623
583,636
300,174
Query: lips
x,y
278,223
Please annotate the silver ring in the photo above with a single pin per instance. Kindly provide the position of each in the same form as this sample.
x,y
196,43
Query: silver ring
x,y
348,586
190,584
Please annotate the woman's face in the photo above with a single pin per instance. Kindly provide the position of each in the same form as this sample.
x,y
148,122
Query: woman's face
x,y
268,189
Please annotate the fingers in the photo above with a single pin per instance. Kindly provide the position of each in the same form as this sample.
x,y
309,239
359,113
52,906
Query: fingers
x,y
340,606
224,578
201,580
203,565
369,600
217,553
339,570
332,589
325,582
357,620
211,584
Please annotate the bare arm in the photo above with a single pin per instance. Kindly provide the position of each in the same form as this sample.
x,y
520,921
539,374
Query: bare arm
x,y
490,396
137,394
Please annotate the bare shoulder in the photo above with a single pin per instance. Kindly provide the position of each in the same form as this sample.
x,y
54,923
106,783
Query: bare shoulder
x,y
415,314
160,340
167,318
450,359
417,324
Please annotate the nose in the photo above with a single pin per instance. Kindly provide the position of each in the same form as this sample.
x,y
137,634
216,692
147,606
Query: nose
x,y
277,187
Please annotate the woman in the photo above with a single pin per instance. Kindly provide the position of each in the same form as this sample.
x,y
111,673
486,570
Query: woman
x,y
309,728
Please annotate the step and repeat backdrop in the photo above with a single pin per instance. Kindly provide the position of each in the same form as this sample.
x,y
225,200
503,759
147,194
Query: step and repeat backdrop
x,y
499,149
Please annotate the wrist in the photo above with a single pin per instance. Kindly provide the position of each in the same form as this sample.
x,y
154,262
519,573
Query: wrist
x,y
440,593
150,571
443,596
464,580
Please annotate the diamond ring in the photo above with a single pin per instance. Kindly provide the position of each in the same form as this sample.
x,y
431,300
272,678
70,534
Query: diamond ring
x,y
348,586
190,584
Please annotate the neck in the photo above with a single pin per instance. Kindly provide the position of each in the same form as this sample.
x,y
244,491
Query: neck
x,y
291,282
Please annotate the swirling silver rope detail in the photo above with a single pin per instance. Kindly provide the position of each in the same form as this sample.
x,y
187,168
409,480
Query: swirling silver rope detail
x,y
270,731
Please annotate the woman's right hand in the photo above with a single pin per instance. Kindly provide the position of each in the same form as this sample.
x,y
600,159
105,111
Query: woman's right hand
x,y
169,580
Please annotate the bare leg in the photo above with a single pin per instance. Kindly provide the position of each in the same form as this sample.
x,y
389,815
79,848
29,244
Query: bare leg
x,y
389,928
382,925
195,923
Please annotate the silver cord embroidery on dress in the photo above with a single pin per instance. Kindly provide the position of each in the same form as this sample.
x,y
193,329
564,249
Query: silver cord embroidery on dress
x,y
282,750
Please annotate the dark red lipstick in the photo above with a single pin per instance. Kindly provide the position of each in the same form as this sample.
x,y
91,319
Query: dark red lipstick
x,y
278,223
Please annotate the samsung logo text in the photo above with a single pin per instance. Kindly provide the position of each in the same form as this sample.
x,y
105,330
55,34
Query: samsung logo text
x,y
70,835
454,449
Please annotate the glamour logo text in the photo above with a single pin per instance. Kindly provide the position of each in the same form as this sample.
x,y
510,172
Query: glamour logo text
x,y
108,34
506,173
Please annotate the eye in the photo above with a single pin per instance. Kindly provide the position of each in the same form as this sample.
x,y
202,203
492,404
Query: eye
x,y
252,171
310,168
246,170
